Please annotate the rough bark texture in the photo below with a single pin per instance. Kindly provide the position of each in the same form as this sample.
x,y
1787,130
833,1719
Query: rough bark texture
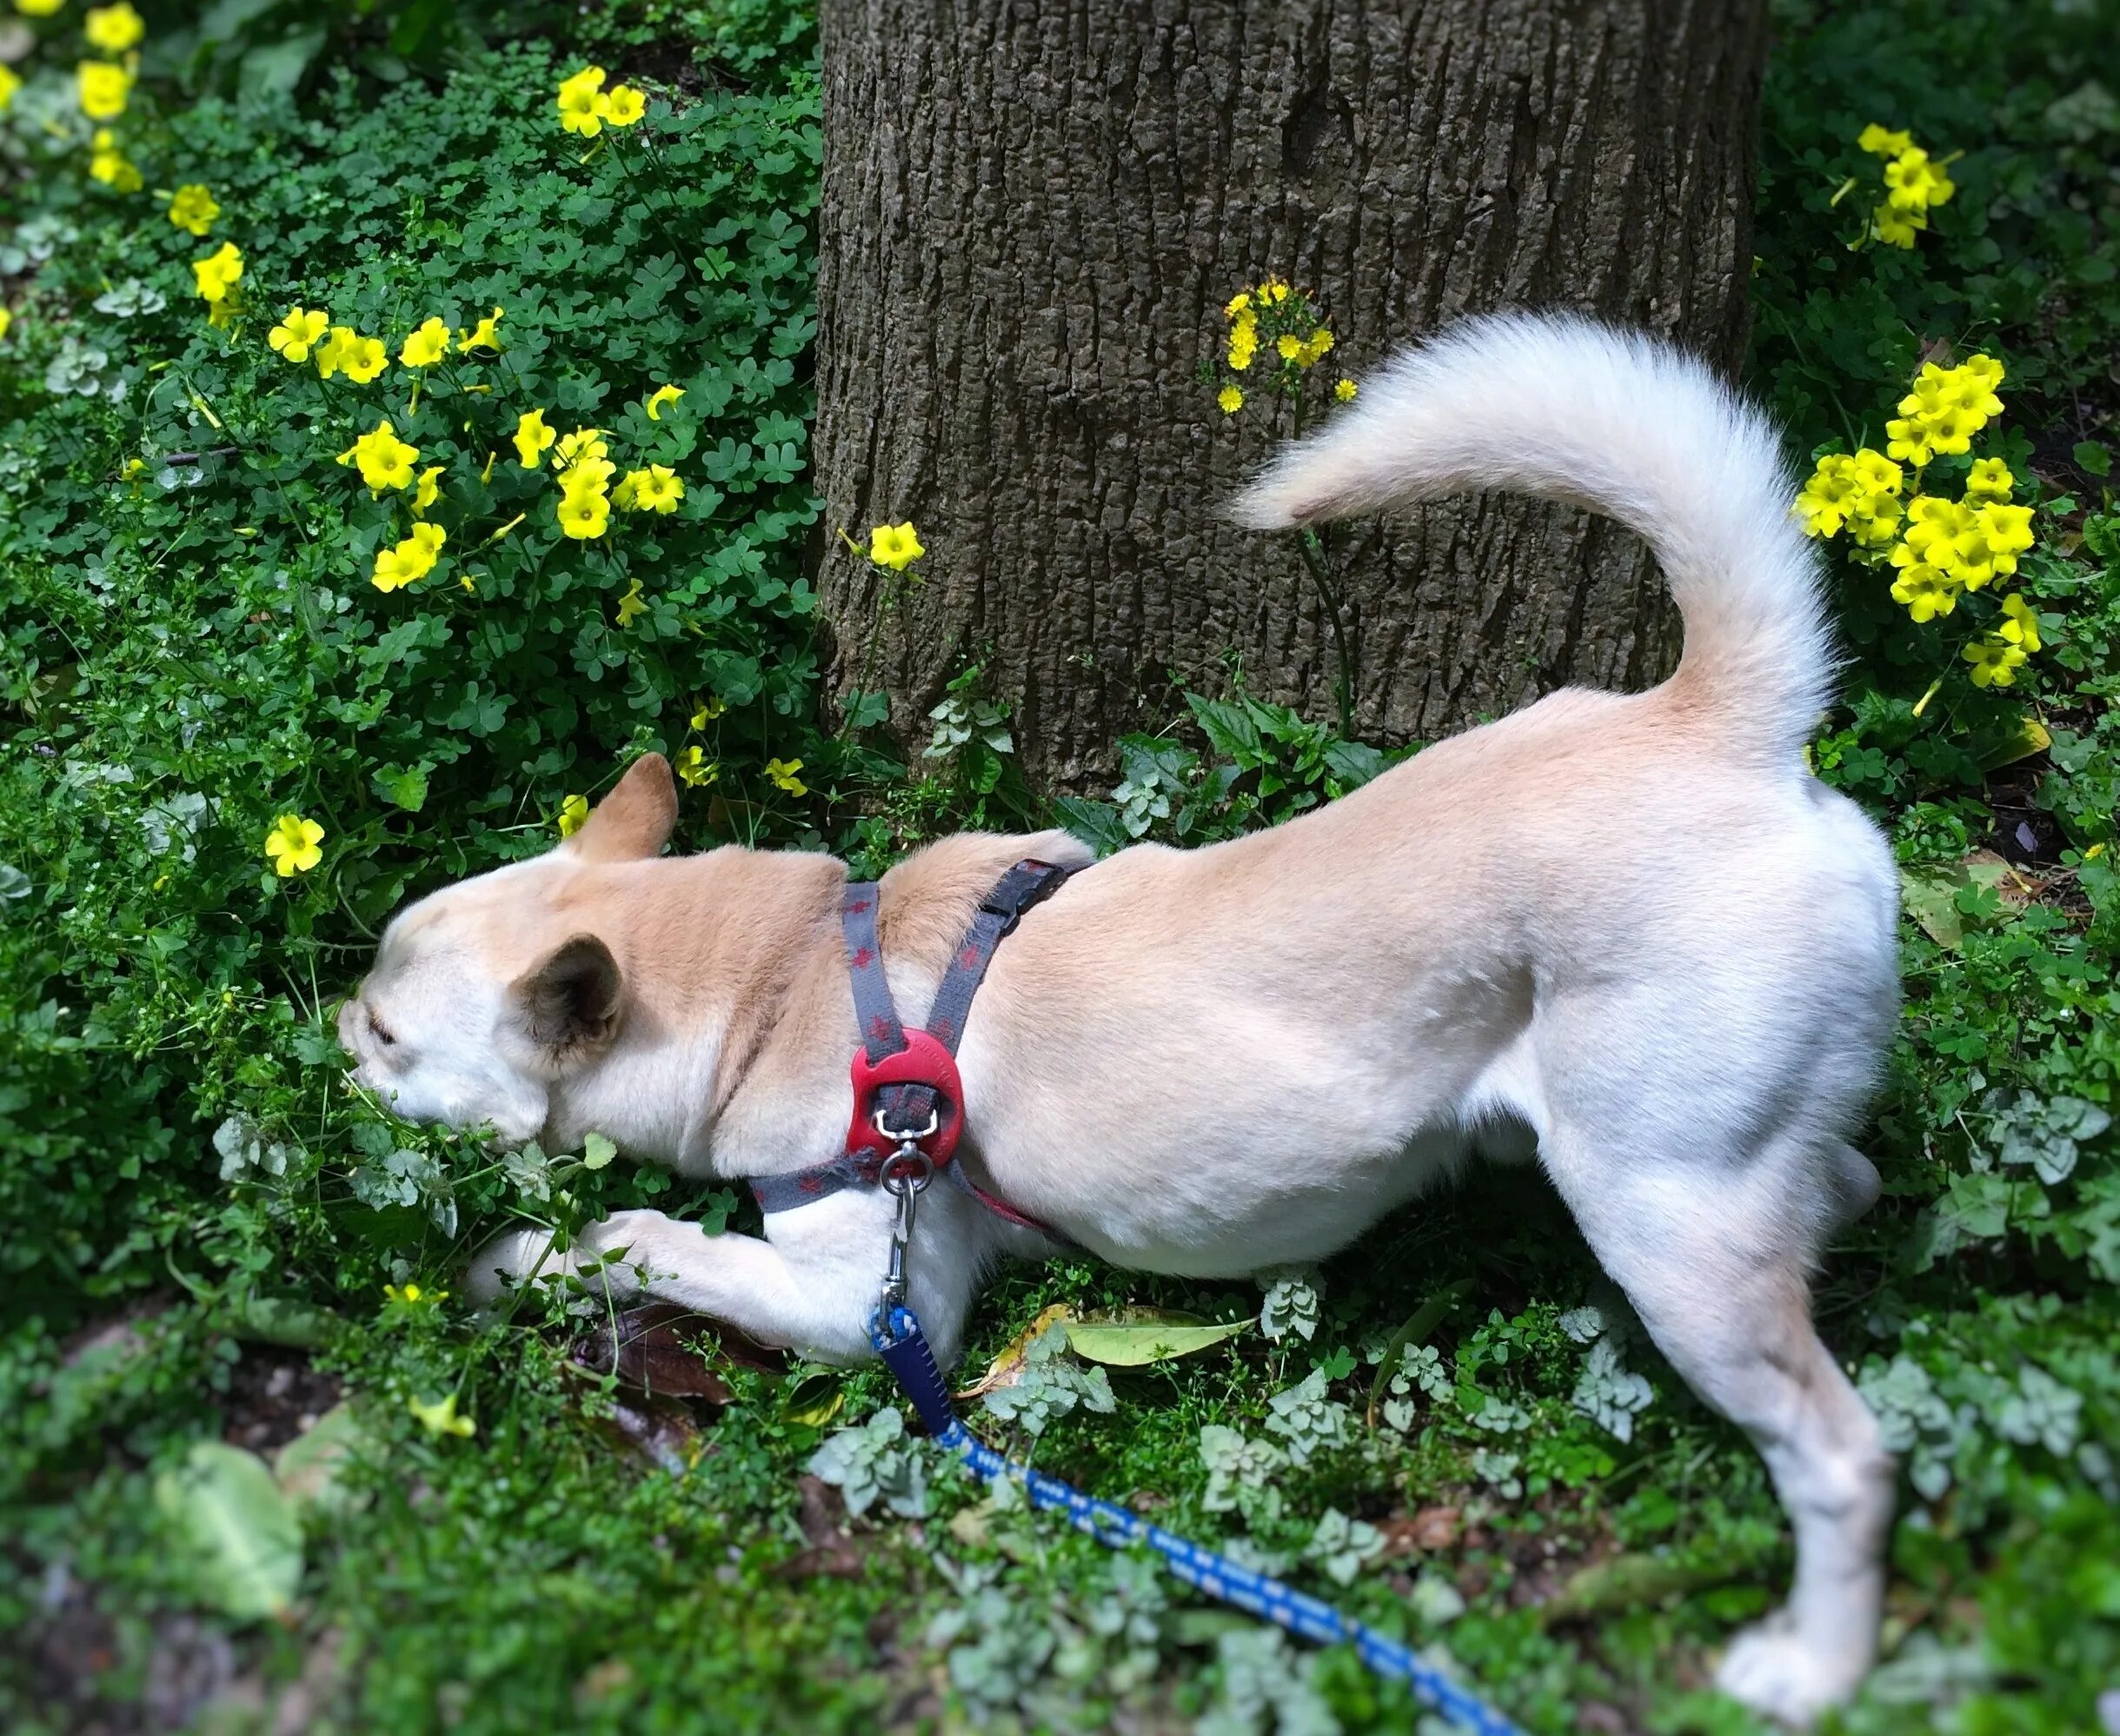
x,y
1032,213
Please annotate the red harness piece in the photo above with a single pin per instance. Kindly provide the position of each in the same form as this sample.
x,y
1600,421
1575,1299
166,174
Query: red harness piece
x,y
923,1061
908,1092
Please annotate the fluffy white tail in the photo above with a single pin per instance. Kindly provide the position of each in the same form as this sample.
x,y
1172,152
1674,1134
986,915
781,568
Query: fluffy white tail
x,y
1628,426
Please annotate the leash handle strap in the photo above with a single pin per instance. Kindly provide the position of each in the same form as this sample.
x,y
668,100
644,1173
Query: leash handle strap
x,y
899,1341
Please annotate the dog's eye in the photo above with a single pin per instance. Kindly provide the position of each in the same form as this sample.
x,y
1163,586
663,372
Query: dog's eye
x,y
381,1032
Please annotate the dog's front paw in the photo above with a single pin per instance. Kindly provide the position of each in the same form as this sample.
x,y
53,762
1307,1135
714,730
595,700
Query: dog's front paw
x,y
1780,1674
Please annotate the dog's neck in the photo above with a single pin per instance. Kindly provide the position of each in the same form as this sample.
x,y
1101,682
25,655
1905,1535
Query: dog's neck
x,y
715,951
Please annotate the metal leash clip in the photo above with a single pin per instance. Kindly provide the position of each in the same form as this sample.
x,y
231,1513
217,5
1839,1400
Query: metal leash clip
x,y
903,1174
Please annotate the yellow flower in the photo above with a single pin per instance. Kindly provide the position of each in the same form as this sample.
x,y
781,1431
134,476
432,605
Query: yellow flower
x,y
386,461
427,345
1875,139
2019,624
2007,530
695,768
574,815
110,166
1243,344
631,608
709,709
7,319
217,272
660,397
895,546
113,28
291,845
1926,592
396,567
297,332
533,436
361,359
1344,391
657,489
1314,348
782,772
1274,292
483,335
1289,345
583,442
582,105
429,489
1954,538
1230,399
1995,661
585,517
440,1418
411,561
1826,501
1896,228
1237,305
38,8
9,85
1989,479
590,477
623,105
104,87
1914,184
191,207
413,1294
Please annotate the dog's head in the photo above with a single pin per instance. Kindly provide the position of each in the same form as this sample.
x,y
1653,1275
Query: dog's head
x,y
485,993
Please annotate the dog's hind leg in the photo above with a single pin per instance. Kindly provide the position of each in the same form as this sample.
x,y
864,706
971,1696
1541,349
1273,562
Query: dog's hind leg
x,y
1713,1251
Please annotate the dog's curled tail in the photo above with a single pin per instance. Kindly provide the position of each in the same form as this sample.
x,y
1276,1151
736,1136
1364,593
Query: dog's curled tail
x,y
1573,410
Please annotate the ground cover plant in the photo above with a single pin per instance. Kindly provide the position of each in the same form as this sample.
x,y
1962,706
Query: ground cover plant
x,y
260,1468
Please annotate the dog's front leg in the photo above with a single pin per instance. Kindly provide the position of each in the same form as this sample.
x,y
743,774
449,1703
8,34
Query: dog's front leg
x,y
811,1284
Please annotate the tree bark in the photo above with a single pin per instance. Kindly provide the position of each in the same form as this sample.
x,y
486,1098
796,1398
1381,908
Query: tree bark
x,y
1033,215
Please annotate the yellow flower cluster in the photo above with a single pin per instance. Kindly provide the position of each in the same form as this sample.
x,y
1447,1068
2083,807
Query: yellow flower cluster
x,y
1946,408
1284,321
1939,548
411,560
587,108
109,164
585,469
1859,493
1914,184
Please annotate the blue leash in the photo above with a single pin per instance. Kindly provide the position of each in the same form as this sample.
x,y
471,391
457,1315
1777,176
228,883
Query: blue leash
x,y
903,1349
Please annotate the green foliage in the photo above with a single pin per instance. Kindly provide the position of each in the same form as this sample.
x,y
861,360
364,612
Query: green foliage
x,y
1454,1429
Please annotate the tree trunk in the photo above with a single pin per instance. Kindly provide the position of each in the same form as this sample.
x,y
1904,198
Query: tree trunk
x,y
1032,216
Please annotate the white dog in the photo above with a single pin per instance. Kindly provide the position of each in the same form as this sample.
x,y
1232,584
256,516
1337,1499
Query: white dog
x,y
1630,931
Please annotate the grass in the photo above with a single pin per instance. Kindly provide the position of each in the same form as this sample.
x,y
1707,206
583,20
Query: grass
x,y
203,1222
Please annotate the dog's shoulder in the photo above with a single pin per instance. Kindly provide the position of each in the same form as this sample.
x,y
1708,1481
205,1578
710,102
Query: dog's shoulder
x,y
928,898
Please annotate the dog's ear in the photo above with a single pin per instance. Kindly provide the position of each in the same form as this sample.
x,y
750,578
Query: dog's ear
x,y
570,1000
634,822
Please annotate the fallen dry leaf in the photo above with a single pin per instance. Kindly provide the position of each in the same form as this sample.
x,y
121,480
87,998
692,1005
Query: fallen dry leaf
x,y
1007,1368
831,1551
1431,1528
